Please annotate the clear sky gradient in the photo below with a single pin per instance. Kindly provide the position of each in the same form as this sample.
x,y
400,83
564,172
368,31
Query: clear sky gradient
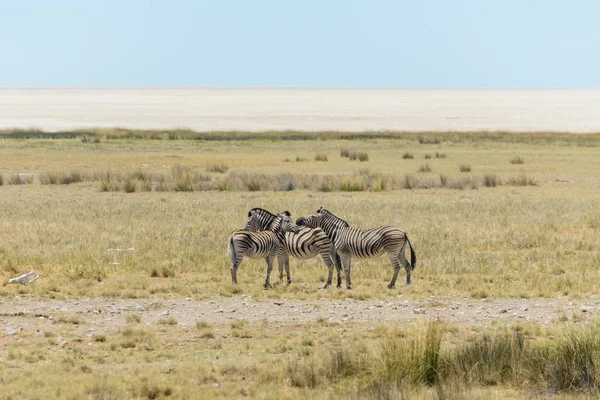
x,y
309,43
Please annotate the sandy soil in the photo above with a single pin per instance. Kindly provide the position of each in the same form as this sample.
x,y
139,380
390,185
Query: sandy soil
x,y
302,109
26,315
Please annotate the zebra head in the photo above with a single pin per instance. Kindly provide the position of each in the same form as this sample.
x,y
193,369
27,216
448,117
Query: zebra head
x,y
259,220
321,219
253,224
284,223
313,220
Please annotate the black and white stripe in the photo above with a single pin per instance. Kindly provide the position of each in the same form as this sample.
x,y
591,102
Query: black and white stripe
x,y
363,243
264,244
305,244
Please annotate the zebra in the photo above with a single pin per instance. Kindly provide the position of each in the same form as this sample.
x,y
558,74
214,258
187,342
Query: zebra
x,y
305,244
264,244
363,243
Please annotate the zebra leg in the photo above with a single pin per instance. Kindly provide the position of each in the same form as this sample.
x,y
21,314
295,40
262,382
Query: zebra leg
x,y
287,270
327,259
235,263
405,263
346,261
396,266
269,260
338,267
280,264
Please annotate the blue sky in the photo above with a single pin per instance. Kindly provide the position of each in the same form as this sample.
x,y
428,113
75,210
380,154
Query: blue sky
x,y
371,43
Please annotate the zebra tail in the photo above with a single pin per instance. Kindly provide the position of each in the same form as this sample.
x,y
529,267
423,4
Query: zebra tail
x,y
413,256
231,249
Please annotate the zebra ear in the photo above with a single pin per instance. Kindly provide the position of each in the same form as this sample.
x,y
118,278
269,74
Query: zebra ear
x,y
250,213
289,214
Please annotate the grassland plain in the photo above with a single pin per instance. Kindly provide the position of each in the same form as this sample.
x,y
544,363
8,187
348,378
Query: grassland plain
x,y
509,241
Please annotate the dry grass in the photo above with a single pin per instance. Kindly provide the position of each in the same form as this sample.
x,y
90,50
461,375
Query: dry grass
x,y
515,223
534,233
435,138
272,360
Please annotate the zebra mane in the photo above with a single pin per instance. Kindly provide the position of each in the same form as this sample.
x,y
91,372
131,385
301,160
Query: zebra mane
x,y
345,224
261,211
267,219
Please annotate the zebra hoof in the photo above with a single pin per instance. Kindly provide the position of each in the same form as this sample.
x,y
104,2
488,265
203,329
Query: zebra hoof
x,y
289,283
339,286
326,285
267,286
349,287
391,286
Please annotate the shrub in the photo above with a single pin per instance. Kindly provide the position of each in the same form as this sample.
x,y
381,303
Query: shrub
x,y
466,182
109,182
440,155
408,156
283,182
464,168
410,182
20,179
443,180
58,178
219,167
427,156
167,321
521,180
425,168
345,153
321,157
76,177
145,185
161,184
517,160
490,360
254,185
574,365
129,185
1,179
327,184
183,179
90,139
352,185
410,362
490,180
363,157
429,140
301,159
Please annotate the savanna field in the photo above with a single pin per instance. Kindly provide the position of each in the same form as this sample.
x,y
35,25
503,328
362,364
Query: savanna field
x,y
505,220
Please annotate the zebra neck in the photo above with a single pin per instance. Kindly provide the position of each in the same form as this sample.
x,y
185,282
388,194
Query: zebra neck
x,y
280,235
332,227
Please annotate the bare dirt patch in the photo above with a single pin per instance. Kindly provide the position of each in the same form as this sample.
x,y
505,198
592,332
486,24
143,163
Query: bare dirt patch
x,y
19,315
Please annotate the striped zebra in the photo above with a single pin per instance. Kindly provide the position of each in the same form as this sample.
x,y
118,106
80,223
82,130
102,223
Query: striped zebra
x,y
305,244
363,243
264,244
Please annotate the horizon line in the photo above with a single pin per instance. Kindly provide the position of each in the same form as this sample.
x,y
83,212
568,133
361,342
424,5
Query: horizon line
x,y
285,87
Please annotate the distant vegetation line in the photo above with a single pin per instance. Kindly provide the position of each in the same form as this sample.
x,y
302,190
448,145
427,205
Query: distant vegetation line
x,y
587,139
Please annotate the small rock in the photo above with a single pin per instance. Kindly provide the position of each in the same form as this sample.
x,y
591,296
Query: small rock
x,y
11,332
586,308
524,307
419,311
